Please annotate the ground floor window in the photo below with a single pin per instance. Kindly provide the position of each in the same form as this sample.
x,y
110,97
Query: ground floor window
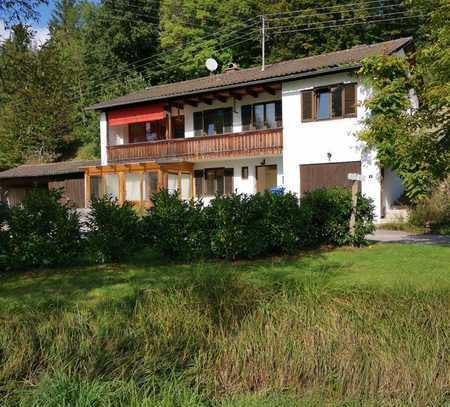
x,y
112,185
96,187
133,186
212,181
150,185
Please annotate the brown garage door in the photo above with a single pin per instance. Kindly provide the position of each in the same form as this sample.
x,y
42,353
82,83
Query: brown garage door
x,y
314,176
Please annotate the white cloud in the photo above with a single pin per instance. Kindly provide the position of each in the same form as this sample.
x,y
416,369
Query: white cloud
x,y
40,34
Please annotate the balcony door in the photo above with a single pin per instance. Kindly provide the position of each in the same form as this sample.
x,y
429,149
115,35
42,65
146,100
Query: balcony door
x,y
266,177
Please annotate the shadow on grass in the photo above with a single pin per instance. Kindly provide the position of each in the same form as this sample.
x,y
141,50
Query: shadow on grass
x,y
219,285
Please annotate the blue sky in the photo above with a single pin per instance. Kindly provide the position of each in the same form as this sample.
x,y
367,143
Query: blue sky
x,y
40,26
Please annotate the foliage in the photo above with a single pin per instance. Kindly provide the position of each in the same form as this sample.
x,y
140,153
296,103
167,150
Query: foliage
x,y
154,335
43,231
433,211
114,230
178,229
18,11
325,218
247,226
240,226
413,140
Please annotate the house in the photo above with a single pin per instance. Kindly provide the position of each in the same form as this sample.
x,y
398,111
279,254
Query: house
x,y
245,130
15,182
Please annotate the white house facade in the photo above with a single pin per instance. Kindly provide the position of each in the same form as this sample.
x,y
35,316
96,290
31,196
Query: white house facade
x,y
292,125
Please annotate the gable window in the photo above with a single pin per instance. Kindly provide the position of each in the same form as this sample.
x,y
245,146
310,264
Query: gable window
x,y
212,181
214,121
331,102
261,116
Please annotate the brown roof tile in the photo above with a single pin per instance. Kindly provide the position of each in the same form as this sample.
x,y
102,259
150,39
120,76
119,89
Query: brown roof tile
x,y
301,67
45,170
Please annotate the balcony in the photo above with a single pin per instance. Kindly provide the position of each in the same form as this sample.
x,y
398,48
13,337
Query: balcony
x,y
245,144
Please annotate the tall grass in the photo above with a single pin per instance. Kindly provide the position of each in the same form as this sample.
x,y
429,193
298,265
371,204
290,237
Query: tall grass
x,y
221,340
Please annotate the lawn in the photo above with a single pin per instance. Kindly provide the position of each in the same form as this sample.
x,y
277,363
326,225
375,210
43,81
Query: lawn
x,y
341,327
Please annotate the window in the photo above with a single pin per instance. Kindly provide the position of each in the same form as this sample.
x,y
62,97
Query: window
x,y
244,173
323,104
150,185
112,185
172,182
178,126
149,131
337,101
96,189
212,181
117,135
215,121
185,186
261,116
133,186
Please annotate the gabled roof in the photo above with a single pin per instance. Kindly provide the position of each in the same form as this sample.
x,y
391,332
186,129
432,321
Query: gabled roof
x,y
310,66
47,170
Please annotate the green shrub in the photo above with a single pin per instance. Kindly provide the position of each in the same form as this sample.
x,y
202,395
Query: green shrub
x,y
246,226
236,226
43,231
325,218
175,227
433,211
114,230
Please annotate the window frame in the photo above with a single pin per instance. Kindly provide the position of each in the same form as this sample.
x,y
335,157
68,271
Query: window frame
x,y
203,131
252,126
203,176
315,91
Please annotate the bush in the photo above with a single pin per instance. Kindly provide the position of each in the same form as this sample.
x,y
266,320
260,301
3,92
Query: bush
x,y
325,217
176,228
114,230
43,231
433,211
246,226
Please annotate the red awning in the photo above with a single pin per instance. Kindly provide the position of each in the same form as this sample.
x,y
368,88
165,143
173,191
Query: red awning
x,y
137,114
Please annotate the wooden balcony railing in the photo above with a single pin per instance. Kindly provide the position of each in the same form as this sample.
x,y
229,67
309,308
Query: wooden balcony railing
x,y
252,143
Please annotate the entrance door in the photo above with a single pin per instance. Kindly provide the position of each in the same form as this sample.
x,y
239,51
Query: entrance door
x,y
266,177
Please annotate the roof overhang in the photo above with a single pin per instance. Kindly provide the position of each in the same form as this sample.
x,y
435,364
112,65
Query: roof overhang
x,y
285,78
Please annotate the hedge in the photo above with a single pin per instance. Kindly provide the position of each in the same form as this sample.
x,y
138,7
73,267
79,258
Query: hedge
x,y
44,232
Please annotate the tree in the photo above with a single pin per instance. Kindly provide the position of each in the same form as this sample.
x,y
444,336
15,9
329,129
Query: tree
x,y
18,11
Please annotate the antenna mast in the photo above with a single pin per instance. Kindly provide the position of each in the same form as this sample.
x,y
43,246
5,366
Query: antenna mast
x,y
263,43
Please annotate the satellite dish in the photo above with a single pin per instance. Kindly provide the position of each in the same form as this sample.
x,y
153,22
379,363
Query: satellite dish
x,y
211,64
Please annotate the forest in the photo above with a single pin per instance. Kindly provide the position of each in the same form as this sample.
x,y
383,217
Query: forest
x,y
100,50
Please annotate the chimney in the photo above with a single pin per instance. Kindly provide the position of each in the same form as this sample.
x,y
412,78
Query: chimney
x,y
231,67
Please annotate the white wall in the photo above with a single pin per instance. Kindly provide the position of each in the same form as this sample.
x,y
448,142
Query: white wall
x,y
237,123
311,142
247,186
103,138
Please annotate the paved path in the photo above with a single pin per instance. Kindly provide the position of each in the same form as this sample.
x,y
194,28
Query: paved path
x,y
398,236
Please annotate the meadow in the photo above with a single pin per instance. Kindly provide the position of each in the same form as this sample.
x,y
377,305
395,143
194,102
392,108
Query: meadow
x,y
342,327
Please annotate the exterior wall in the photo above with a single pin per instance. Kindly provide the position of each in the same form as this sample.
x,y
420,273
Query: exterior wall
x,y
245,186
236,104
324,141
103,138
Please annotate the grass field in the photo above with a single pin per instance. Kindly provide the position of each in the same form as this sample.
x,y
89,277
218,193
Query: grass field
x,y
343,327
